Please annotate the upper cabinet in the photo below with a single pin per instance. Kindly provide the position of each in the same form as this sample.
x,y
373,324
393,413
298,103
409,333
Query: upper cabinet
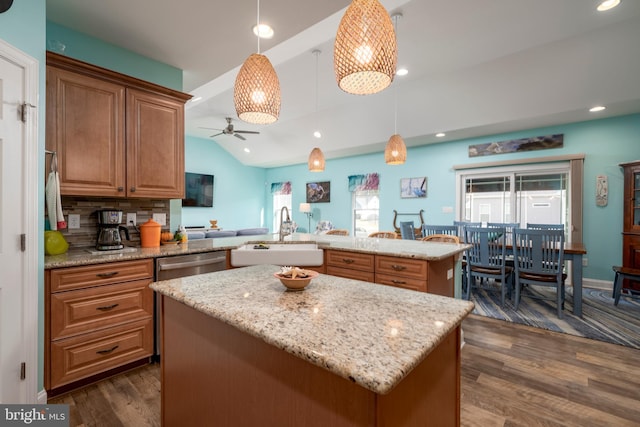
x,y
114,135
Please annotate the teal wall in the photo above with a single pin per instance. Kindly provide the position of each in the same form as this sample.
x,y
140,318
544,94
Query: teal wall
x,y
95,51
23,26
605,143
238,193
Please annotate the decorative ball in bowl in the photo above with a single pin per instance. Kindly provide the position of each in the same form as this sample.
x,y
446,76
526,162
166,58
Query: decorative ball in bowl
x,y
294,278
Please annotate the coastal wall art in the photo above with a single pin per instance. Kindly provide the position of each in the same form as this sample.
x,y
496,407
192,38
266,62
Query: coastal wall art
x,y
319,192
413,187
517,145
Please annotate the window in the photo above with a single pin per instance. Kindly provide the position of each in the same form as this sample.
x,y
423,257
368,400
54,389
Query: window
x,y
537,193
279,201
366,210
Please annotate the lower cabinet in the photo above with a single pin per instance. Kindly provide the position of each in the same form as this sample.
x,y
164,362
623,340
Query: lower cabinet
x,y
98,318
435,277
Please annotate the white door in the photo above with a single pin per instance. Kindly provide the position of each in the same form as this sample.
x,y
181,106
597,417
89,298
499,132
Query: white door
x,y
18,280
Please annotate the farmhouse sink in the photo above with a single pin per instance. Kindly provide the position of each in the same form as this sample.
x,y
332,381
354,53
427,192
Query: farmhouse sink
x,y
295,254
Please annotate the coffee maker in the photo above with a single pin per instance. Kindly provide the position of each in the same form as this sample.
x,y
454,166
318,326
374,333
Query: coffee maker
x,y
109,230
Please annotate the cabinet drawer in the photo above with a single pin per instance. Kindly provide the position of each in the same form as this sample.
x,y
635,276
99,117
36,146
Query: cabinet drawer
x,y
351,260
85,355
401,282
366,276
407,268
64,279
91,309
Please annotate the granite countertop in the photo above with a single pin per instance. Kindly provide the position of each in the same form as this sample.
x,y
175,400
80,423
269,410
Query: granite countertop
x,y
372,335
430,251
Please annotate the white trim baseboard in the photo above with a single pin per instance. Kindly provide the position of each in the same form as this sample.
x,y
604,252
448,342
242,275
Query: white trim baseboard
x,y
606,285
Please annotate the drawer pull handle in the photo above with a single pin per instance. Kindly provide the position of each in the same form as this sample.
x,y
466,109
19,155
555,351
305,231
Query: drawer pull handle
x,y
398,282
107,351
397,267
107,307
348,260
110,274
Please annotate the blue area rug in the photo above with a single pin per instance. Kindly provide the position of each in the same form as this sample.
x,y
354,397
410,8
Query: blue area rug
x,y
601,320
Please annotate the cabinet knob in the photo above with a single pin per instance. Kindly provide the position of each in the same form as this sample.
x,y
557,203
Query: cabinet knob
x,y
133,189
120,189
107,351
348,260
397,267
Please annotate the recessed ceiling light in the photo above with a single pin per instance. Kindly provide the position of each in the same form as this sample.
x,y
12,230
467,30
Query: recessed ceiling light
x,y
402,72
440,135
317,134
607,4
263,31
246,150
597,108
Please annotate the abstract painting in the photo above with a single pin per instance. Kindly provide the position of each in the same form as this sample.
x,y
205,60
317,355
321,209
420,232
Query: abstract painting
x,y
413,187
318,192
517,145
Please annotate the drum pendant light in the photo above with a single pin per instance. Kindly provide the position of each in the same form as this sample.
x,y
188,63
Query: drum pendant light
x,y
256,92
365,51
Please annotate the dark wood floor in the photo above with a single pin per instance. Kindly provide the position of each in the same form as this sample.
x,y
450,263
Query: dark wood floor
x,y
512,375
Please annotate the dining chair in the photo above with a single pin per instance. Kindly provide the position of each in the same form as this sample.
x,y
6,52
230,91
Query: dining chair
x,y
538,257
428,229
545,226
384,235
508,226
445,238
338,232
407,231
462,224
486,259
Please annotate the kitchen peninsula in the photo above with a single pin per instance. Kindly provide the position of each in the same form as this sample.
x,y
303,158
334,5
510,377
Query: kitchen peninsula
x,y
238,349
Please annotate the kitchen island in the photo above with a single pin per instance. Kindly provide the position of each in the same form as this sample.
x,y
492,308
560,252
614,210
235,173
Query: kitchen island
x,y
240,350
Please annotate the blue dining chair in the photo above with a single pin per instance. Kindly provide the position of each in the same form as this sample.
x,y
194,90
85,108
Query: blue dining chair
x,y
462,224
545,226
508,226
428,230
539,257
486,259
407,231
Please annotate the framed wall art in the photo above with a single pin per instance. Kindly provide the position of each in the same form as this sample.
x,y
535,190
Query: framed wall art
x,y
413,187
319,192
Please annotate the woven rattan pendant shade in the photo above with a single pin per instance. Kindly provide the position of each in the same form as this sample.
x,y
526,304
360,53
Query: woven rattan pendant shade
x,y
257,91
395,152
365,50
316,160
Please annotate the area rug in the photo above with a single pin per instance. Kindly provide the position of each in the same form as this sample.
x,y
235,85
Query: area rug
x,y
601,320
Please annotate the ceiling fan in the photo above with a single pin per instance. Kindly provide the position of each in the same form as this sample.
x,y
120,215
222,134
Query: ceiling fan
x,y
229,130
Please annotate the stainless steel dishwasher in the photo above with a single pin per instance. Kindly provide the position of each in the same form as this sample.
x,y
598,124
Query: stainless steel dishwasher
x,y
174,267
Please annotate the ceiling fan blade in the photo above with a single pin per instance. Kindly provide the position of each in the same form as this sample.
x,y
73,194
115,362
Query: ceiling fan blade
x,y
239,136
200,127
211,136
246,131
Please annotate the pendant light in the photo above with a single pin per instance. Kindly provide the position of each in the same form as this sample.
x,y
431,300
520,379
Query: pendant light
x,y
365,51
316,158
395,153
256,93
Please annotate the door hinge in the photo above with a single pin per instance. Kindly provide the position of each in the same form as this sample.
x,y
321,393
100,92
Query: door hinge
x,y
23,371
23,111
23,242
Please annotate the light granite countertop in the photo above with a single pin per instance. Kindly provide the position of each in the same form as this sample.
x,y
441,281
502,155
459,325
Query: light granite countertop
x,y
429,251
371,334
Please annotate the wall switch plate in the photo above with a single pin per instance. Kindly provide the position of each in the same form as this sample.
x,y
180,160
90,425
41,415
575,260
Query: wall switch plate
x,y
74,221
160,218
131,219
585,261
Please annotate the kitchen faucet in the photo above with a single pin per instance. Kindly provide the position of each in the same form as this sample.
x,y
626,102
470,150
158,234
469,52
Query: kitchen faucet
x,y
285,225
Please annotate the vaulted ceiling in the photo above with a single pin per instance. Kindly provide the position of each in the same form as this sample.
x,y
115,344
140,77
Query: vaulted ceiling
x,y
476,67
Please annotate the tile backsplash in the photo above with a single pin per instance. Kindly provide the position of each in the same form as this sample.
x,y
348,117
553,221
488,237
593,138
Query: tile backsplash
x,y
86,207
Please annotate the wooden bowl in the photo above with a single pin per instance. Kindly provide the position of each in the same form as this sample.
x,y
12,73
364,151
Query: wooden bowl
x,y
297,284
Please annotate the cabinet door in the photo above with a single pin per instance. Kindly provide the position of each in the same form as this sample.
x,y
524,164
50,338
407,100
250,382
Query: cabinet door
x,y
155,146
85,126
632,198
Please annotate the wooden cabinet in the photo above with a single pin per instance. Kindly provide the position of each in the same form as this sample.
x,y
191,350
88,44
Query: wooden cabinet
x,y
98,318
114,135
631,221
352,265
435,277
